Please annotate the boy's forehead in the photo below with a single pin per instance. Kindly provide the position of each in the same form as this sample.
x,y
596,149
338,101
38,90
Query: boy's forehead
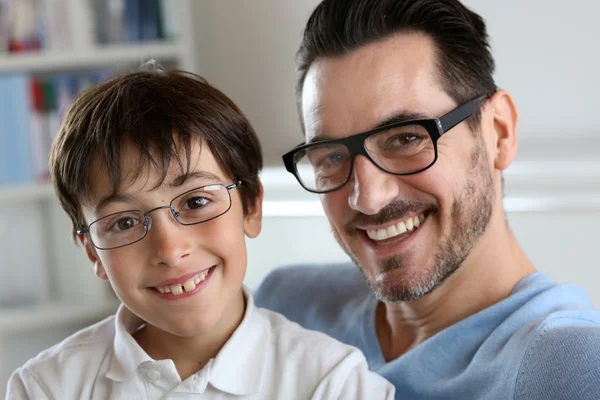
x,y
139,174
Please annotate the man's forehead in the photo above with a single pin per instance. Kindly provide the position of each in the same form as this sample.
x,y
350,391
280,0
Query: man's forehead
x,y
358,91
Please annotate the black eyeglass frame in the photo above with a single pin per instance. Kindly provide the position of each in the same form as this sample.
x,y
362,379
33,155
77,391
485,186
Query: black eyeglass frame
x,y
356,143
147,223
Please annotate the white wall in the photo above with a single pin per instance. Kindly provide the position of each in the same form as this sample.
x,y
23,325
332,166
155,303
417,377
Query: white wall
x,y
547,56
247,48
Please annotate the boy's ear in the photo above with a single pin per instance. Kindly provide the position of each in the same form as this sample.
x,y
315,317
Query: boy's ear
x,y
91,253
253,219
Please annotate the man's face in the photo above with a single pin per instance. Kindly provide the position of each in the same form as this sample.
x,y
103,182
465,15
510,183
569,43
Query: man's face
x,y
152,277
447,206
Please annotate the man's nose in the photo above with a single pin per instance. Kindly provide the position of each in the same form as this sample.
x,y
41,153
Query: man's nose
x,y
171,242
371,188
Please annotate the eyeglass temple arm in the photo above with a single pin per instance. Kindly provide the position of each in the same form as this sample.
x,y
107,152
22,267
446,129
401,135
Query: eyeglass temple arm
x,y
458,115
236,184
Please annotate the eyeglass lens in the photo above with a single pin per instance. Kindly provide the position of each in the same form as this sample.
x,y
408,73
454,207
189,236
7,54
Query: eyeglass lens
x,y
402,149
193,207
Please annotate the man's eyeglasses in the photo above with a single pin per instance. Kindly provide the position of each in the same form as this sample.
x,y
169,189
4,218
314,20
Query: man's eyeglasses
x,y
190,208
403,148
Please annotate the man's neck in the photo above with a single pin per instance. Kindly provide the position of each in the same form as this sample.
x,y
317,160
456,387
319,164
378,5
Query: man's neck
x,y
191,354
488,276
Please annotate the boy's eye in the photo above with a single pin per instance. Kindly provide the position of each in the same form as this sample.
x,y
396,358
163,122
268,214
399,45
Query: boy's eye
x,y
196,202
126,223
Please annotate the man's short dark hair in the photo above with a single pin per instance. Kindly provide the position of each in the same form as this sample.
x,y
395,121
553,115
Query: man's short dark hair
x,y
464,62
160,113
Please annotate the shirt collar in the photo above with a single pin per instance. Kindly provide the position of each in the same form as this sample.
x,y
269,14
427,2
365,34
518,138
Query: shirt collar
x,y
127,353
237,369
239,366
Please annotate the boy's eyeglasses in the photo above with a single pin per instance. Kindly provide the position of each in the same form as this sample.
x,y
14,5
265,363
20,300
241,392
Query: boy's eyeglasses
x,y
403,148
190,208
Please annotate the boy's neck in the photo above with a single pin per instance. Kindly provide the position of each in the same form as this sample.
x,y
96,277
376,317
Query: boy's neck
x,y
190,354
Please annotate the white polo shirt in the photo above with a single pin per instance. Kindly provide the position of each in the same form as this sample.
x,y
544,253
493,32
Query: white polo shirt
x,y
267,357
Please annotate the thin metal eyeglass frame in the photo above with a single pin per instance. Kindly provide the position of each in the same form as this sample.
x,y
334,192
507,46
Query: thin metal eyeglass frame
x,y
147,222
356,143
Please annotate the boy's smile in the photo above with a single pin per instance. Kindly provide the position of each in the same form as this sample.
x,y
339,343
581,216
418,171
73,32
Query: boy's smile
x,y
184,286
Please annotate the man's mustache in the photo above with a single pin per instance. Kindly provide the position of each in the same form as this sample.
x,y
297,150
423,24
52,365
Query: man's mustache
x,y
398,209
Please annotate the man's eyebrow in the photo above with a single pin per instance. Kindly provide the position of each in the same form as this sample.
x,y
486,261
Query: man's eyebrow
x,y
207,177
394,119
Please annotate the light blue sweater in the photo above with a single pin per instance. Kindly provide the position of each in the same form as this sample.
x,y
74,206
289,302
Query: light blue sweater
x,y
542,342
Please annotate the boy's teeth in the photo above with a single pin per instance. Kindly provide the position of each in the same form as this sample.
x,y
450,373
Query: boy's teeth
x,y
404,226
189,285
186,286
176,290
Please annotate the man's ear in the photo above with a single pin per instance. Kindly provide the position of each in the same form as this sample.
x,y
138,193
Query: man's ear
x,y
253,219
505,120
91,253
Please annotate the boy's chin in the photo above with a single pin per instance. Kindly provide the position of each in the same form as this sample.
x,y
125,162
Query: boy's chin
x,y
192,329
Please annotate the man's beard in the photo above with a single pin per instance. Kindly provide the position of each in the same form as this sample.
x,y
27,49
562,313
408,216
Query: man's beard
x,y
470,215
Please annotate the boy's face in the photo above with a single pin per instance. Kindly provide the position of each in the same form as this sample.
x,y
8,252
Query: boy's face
x,y
211,254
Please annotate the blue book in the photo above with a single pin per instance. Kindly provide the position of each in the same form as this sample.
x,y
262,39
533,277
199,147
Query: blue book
x,y
150,21
18,126
131,20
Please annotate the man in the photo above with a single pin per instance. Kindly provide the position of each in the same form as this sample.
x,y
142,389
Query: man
x,y
407,136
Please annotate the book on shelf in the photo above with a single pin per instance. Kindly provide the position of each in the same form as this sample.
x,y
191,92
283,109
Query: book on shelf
x,y
63,25
14,130
31,110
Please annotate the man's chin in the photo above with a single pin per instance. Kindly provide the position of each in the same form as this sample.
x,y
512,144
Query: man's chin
x,y
400,293
404,285
397,279
403,291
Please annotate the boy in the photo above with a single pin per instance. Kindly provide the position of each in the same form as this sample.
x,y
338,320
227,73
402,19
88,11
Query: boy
x,y
158,172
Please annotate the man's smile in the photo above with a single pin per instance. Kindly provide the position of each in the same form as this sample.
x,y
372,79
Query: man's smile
x,y
393,230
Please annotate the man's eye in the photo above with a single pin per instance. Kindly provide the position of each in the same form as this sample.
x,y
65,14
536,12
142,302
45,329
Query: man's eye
x,y
334,159
196,202
404,139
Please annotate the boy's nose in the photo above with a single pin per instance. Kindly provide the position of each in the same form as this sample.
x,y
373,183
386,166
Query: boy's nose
x,y
371,189
170,241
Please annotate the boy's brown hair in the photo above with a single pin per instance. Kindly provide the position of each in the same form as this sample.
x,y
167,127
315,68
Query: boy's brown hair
x,y
160,113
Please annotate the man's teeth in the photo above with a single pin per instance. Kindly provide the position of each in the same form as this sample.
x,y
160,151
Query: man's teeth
x,y
186,286
395,230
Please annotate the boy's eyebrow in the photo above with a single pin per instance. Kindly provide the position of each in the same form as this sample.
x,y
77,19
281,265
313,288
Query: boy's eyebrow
x,y
193,176
175,182
113,198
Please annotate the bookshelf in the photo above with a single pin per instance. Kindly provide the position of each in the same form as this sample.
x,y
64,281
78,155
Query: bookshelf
x,y
97,57
24,192
69,295
175,51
